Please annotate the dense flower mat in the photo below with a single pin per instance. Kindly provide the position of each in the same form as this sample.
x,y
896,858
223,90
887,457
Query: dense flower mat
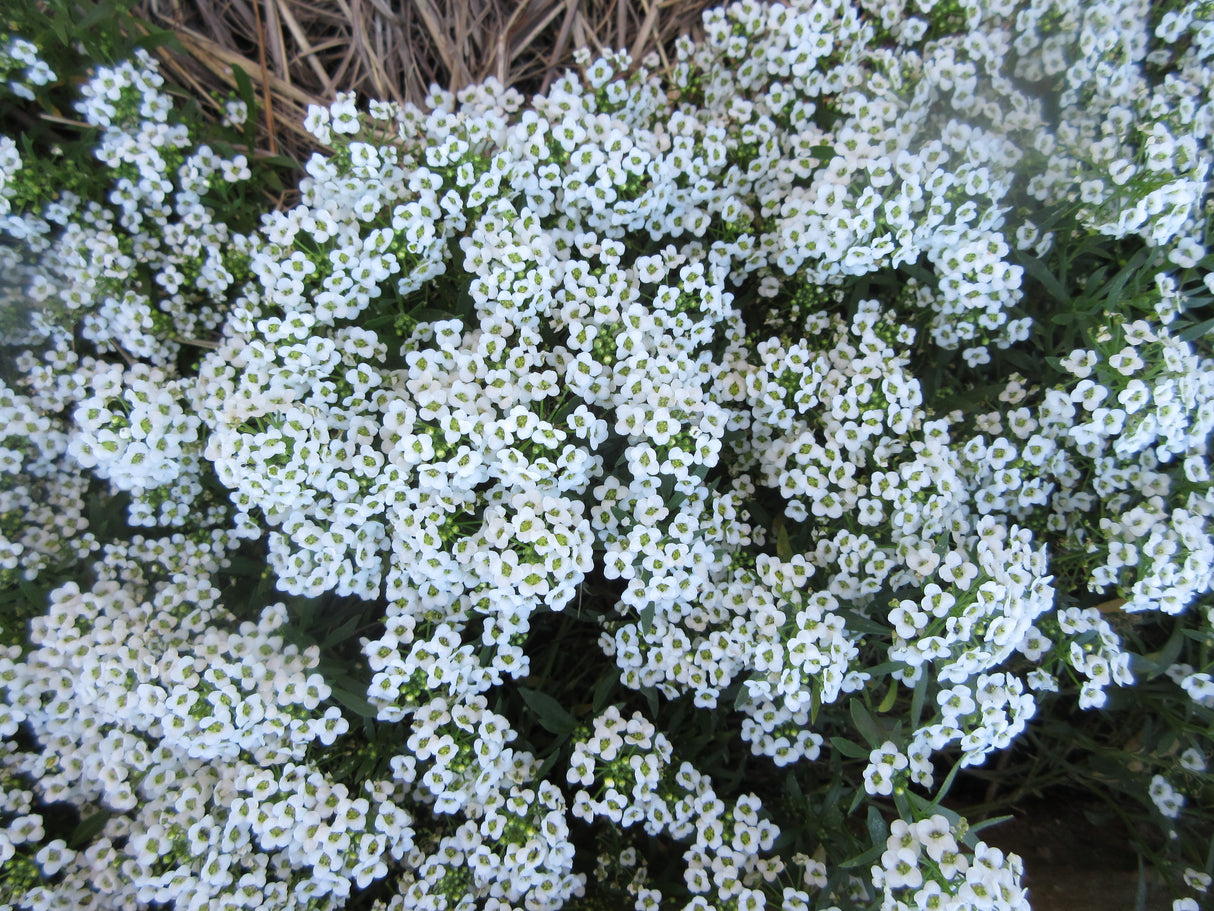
x,y
835,407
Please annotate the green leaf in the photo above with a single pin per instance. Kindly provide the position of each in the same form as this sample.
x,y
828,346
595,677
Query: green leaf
x,y
891,696
742,697
1166,656
552,758
857,799
917,699
918,272
863,860
861,624
352,699
792,788
651,696
849,749
88,828
341,634
865,725
244,86
647,613
551,715
35,595
947,784
158,38
1200,330
603,690
783,547
987,823
1111,291
885,668
243,566
280,161
902,803
102,12
1036,268
877,829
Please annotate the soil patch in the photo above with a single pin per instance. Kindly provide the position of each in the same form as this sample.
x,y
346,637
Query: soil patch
x,y
1077,857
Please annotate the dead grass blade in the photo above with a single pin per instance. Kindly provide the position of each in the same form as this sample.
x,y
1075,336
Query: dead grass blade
x,y
301,52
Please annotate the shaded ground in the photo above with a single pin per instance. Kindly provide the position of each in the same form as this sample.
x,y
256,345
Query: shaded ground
x,y
1072,862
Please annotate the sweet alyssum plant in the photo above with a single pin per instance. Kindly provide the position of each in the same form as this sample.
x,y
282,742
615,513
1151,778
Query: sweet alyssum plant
x,y
654,493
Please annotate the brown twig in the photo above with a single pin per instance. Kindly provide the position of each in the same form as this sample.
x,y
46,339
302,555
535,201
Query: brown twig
x,y
265,78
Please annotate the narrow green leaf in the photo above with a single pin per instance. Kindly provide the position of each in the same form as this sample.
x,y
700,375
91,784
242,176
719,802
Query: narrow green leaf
x,y
857,799
102,12
340,635
1036,268
987,823
551,715
877,829
1166,656
647,613
885,668
783,547
890,698
1200,330
947,784
280,161
353,700
862,624
917,699
902,803
863,860
552,758
88,828
792,788
849,749
919,273
865,725
651,696
35,595
244,86
1140,895
158,38
603,690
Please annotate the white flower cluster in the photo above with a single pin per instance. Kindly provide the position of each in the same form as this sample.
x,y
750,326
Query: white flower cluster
x,y
1135,148
627,774
997,588
192,740
718,343
10,166
1096,663
135,278
924,866
518,855
1142,398
42,493
161,223
1166,798
134,432
18,54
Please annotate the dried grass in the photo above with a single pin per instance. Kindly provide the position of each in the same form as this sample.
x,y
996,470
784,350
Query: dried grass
x,y
301,52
